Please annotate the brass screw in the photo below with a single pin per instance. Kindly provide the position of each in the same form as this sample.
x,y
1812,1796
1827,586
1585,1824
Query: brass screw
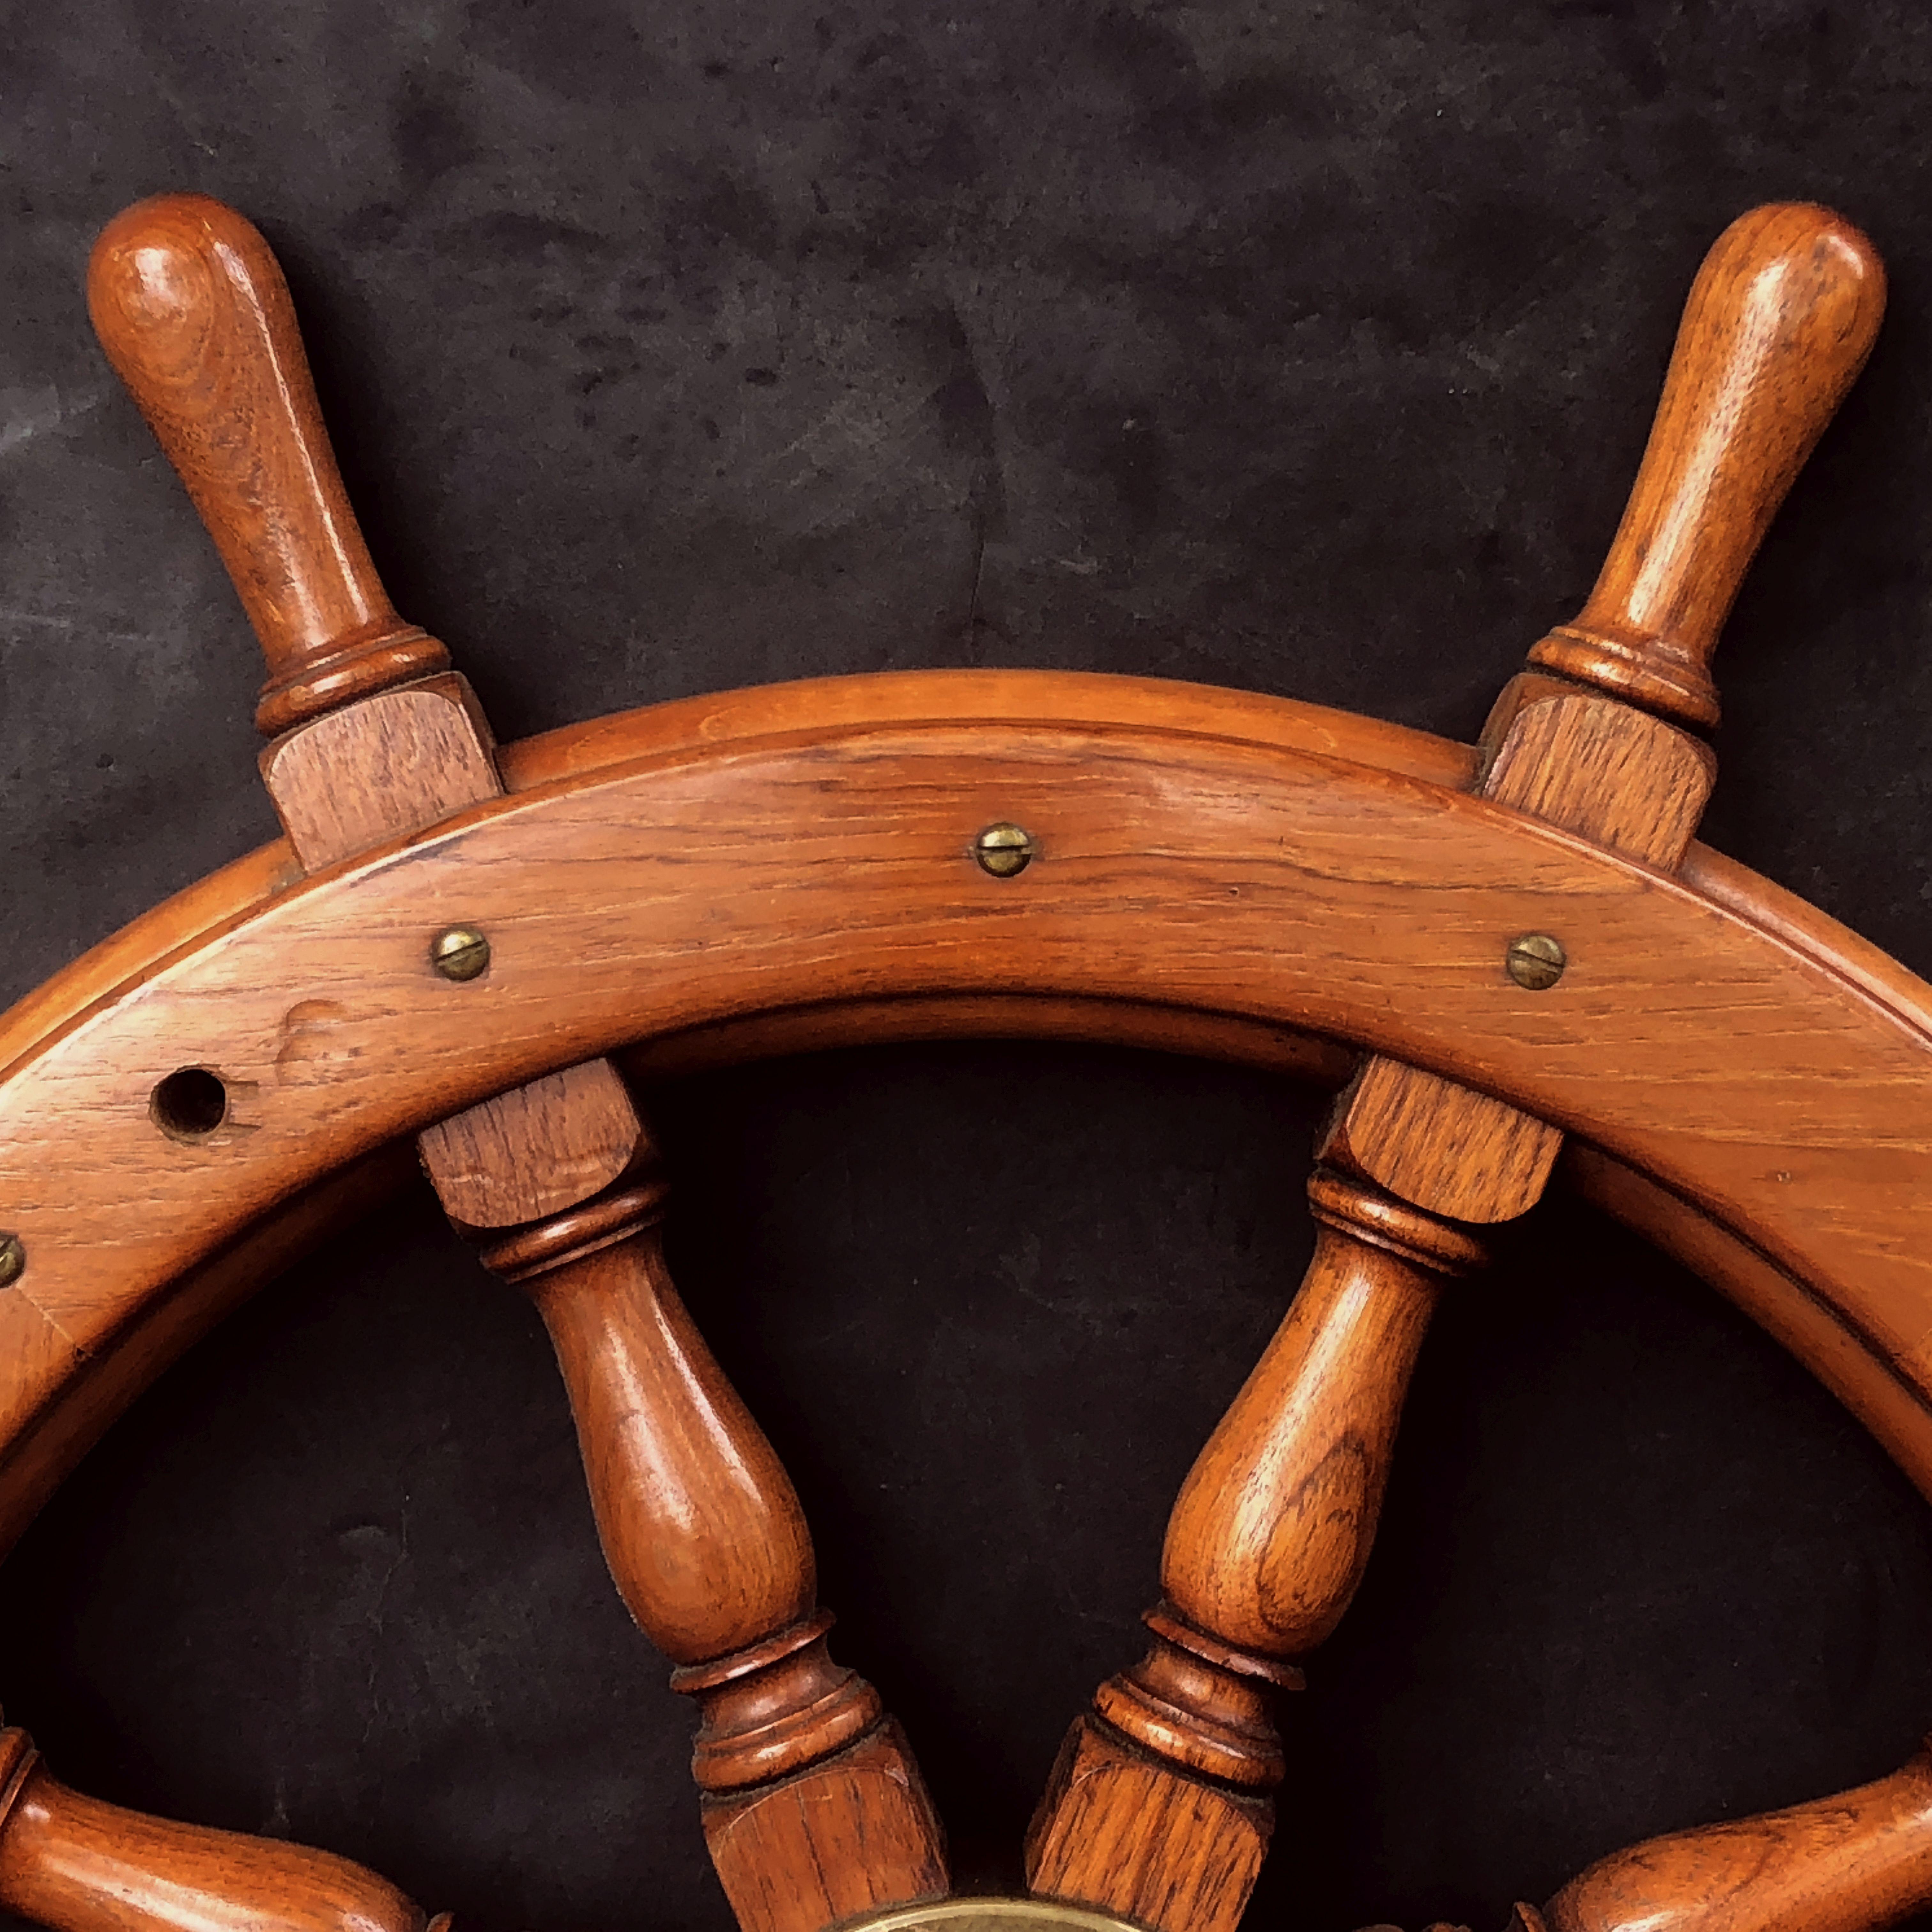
x,y
1536,962
12,1259
461,952
1002,850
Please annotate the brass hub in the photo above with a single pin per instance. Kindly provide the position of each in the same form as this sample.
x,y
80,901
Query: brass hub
x,y
992,1915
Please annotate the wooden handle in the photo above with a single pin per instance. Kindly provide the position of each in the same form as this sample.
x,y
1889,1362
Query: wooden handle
x,y
191,308
1273,1527
1780,319
1852,1863
700,1524
1157,1807
813,1808
78,1865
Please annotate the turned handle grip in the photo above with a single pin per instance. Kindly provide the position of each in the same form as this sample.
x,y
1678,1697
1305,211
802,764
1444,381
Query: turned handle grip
x,y
1273,1527
190,306
700,1523
76,1864
1779,321
1852,1863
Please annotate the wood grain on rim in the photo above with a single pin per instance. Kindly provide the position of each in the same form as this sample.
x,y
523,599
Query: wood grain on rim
x,y
1246,810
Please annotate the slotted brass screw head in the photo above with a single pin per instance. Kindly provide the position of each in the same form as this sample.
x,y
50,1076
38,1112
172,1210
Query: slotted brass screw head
x,y
459,953
1536,962
12,1259
1002,850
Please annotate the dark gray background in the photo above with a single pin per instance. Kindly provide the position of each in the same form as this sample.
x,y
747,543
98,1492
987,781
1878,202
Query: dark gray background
x,y
1309,349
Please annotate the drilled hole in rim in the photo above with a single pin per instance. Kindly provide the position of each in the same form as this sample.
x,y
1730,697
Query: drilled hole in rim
x,y
190,1104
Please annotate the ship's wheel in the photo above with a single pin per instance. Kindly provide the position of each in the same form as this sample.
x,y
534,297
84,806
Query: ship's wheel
x,y
465,946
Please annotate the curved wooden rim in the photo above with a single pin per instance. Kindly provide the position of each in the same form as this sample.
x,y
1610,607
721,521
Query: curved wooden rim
x,y
1219,872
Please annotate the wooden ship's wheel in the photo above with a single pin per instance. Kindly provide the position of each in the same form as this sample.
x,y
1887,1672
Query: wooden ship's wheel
x,y
467,946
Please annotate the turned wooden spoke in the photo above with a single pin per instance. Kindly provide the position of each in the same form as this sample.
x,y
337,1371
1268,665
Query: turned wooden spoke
x,y
1157,1807
1273,1527
367,740
78,1865
1856,1862
812,1806
191,308
1779,321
